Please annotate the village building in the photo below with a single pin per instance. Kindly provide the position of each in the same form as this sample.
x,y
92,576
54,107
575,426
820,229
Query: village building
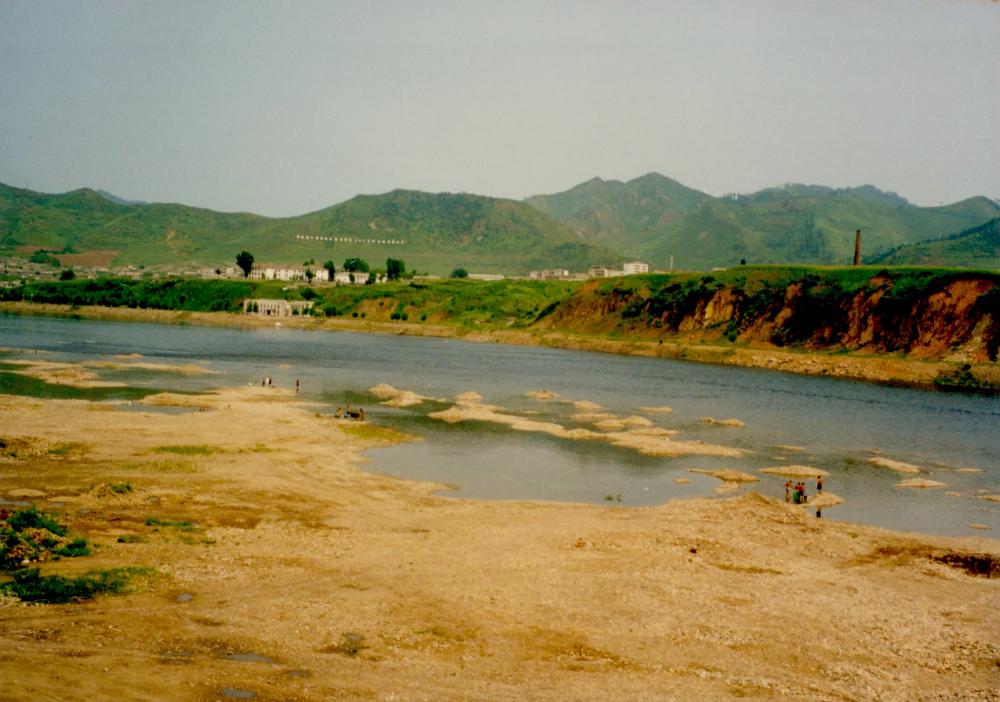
x,y
277,308
636,267
287,273
355,278
603,272
485,276
552,274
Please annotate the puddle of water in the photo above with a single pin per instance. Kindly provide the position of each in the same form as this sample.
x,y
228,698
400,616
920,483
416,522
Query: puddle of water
x,y
235,693
176,657
17,384
14,503
248,658
153,409
184,597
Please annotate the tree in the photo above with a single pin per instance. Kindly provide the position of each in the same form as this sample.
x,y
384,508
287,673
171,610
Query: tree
x,y
372,277
394,268
460,273
310,275
244,259
330,269
43,256
67,274
353,265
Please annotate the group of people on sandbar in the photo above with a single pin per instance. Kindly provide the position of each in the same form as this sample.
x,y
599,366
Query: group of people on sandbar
x,y
796,494
268,382
350,413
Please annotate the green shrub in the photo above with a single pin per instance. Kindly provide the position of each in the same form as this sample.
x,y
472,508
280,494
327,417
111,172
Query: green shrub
x,y
74,549
130,539
31,518
30,586
181,524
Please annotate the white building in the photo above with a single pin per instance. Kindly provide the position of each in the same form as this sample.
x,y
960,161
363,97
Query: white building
x,y
356,278
277,308
287,273
552,274
603,272
636,267
485,276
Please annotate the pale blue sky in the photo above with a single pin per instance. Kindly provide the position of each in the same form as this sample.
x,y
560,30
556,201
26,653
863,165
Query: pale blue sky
x,y
283,108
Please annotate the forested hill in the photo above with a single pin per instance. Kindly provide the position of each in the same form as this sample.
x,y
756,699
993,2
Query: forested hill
x,y
654,217
439,232
979,246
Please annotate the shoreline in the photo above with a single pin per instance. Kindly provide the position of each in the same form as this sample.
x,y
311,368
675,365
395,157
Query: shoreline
x,y
305,576
893,370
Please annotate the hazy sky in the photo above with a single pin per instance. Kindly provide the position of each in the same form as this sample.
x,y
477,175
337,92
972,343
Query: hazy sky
x,y
285,107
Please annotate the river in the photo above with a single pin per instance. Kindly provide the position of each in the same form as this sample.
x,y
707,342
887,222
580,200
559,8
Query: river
x,y
837,425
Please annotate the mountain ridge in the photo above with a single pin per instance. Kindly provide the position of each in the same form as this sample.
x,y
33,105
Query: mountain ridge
x,y
981,244
658,219
439,232
651,217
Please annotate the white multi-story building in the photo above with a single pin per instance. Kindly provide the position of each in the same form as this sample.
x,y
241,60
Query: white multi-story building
x,y
636,267
553,274
602,272
287,273
356,278
277,308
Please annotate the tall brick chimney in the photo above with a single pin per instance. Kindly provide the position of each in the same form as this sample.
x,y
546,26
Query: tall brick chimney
x,y
857,248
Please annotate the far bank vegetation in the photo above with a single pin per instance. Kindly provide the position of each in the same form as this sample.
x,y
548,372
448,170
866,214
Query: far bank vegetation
x,y
930,313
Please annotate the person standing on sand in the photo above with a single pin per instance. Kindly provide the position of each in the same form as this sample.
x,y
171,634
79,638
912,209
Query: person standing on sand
x,y
796,494
819,483
802,488
296,386
788,491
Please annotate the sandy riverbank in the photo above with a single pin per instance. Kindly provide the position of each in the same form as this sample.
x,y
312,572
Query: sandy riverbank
x,y
895,369
306,578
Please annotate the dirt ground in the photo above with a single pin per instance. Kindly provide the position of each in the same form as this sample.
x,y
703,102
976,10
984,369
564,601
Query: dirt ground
x,y
297,576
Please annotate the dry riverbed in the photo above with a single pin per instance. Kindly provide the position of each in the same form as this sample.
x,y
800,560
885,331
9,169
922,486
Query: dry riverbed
x,y
283,571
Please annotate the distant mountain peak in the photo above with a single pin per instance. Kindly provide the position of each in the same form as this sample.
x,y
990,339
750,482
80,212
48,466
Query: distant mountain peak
x,y
111,197
874,193
652,175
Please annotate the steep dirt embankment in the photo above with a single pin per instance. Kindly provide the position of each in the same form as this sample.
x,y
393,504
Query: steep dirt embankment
x,y
947,316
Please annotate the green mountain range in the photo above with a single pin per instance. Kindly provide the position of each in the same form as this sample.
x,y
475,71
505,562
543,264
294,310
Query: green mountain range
x,y
652,218
978,245
655,218
430,232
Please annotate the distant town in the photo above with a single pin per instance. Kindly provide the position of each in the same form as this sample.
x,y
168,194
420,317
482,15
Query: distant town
x,y
43,265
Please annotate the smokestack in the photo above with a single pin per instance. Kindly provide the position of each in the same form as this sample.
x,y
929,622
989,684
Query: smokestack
x,y
671,263
857,248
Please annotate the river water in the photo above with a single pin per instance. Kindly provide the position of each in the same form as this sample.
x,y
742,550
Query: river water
x,y
838,425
